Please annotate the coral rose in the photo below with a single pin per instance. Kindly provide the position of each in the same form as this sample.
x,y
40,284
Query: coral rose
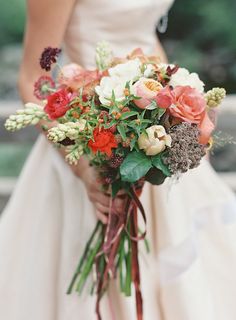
x,y
183,102
103,141
147,90
58,104
187,104
206,127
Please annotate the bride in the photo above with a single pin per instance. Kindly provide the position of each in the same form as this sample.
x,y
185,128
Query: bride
x,y
190,272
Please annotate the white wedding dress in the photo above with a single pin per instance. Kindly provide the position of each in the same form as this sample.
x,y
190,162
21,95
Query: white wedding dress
x,y
190,273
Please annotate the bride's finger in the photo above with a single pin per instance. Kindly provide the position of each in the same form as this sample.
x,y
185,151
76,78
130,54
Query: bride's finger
x,y
119,205
101,198
101,213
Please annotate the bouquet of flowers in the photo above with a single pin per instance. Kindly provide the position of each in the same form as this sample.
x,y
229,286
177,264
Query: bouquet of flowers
x,y
137,120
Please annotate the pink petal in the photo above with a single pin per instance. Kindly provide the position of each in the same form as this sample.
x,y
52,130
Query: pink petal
x,y
206,128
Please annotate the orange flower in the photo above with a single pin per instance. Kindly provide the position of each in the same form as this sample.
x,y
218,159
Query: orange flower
x,y
103,141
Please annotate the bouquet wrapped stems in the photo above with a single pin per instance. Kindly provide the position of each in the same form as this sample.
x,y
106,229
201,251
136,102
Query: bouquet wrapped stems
x,y
112,249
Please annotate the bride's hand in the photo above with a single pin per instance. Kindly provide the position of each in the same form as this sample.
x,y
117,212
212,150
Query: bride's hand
x,y
100,200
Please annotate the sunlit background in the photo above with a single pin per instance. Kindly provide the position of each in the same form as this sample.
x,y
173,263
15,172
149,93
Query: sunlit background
x,y
201,35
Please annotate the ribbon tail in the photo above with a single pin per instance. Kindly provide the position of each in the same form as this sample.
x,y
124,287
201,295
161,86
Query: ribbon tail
x,y
135,264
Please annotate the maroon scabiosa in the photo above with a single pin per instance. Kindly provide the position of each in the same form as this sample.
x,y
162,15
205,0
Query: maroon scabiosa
x,y
48,57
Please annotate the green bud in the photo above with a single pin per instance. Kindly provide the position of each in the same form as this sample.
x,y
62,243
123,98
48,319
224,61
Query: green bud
x,y
214,97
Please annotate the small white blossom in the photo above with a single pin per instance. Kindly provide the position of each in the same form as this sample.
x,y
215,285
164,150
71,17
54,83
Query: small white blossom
x,y
104,55
69,130
74,153
214,97
149,71
31,115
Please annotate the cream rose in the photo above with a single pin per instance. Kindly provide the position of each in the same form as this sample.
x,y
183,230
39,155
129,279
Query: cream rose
x,y
184,78
154,140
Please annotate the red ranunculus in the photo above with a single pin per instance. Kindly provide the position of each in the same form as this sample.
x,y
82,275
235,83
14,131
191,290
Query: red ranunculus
x,y
58,104
104,141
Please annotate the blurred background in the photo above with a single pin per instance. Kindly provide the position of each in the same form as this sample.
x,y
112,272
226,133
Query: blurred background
x,y
201,36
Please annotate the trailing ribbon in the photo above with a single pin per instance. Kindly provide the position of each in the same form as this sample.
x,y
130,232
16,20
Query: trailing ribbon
x,y
106,251
117,223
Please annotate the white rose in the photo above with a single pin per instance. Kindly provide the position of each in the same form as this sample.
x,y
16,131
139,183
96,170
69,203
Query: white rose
x,y
154,140
149,71
129,71
109,85
184,78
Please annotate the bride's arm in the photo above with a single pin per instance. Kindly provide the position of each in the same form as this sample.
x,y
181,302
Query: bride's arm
x,y
160,52
46,25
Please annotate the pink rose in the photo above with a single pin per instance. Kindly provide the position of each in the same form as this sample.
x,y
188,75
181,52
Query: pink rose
x,y
147,90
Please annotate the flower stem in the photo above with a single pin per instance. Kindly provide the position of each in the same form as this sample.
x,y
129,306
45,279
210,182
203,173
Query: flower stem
x,y
83,258
88,266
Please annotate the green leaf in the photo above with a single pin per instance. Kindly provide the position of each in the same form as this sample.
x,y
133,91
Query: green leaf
x,y
116,187
107,126
129,114
155,176
152,105
128,278
113,97
161,111
159,164
132,144
135,166
121,130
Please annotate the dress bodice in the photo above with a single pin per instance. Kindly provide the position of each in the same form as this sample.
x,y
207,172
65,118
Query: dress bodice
x,y
125,24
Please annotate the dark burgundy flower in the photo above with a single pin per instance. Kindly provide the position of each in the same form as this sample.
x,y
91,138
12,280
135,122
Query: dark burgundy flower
x,y
48,57
116,160
42,87
171,70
